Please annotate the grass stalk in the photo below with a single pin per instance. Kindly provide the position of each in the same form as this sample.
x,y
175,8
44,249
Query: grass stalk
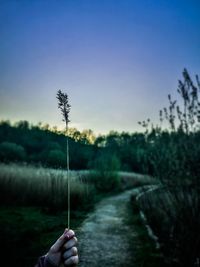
x,y
64,106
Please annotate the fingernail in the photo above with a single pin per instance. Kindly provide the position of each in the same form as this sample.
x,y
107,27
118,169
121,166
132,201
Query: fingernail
x,y
66,236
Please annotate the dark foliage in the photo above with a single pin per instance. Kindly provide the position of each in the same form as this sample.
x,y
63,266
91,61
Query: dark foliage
x,y
173,156
33,144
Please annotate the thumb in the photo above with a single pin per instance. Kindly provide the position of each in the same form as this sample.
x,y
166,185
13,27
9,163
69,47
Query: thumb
x,y
60,242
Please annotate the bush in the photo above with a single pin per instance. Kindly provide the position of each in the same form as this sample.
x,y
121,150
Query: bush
x,y
105,174
174,217
11,152
173,157
56,158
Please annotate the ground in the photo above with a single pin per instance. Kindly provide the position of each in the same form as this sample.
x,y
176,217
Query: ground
x,y
105,236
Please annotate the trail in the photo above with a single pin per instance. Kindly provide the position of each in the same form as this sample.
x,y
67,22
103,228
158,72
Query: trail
x,y
104,238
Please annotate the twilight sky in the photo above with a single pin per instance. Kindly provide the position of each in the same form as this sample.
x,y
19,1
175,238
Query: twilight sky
x,y
116,59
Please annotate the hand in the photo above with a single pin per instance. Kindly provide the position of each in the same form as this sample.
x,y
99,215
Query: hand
x,y
64,250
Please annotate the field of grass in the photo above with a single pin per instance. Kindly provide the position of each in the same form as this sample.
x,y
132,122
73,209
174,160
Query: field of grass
x,y
37,186
25,185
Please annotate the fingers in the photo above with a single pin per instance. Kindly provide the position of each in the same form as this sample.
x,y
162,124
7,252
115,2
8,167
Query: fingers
x,y
71,261
70,256
71,243
67,235
70,252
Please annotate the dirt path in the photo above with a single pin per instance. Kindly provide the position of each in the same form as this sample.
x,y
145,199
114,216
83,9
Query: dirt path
x,y
104,239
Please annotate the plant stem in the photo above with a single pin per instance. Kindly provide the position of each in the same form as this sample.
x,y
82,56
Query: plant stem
x,y
64,106
68,182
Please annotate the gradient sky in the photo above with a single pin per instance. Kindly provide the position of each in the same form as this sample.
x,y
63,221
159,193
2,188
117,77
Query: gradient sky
x,y
116,59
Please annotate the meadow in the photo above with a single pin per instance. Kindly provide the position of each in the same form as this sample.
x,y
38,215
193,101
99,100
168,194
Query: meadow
x,y
27,185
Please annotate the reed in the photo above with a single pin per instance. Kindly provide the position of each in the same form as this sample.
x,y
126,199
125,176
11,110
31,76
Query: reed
x,y
25,185
64,106
174,217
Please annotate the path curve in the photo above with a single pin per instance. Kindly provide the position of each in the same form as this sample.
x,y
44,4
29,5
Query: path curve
x,y
104,238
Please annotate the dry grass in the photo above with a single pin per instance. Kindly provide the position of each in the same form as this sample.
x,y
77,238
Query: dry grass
x,y
37,186
174,217
131,180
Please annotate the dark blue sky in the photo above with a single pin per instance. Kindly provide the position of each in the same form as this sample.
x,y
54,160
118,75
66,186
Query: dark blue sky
x,y
117,59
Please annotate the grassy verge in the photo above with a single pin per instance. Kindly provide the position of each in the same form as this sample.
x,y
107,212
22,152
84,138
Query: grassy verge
x,y
145,252
173,214
132,180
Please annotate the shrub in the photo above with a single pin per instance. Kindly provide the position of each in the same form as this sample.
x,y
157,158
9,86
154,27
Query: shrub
x,y
174,217
105,174
173,157
11,152
56,158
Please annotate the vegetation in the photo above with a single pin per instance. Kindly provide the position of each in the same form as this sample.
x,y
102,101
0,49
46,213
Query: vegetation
x,y
44,188
38,145
64,106
145,252
105,173
173,157
174,218
47,147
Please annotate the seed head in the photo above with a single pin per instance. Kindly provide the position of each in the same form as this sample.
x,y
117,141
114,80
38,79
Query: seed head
x,y
63,105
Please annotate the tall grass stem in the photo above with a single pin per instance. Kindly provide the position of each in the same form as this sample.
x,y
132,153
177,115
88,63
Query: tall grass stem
x,y
64,106
68,182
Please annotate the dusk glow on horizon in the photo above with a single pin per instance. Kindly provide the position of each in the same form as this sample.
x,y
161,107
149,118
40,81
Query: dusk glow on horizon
x,y
116,59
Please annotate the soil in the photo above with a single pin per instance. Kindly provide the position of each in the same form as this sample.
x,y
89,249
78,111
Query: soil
x,y
106,238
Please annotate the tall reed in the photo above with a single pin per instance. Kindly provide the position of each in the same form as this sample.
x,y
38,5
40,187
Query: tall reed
x,y
64,106
24,185
174,217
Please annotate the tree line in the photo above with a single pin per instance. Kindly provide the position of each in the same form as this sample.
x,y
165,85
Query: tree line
x,y
23,142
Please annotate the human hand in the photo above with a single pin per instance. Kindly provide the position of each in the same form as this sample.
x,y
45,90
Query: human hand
x,y
64,251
